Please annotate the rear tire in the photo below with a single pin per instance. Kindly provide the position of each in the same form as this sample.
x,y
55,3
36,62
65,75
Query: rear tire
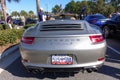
x,y
106,32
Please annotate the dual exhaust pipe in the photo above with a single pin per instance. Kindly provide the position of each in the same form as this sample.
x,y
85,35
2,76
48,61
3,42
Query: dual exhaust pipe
x,y
42,70
92,70
35,71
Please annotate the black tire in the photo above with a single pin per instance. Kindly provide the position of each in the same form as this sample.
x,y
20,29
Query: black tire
x,y
106,32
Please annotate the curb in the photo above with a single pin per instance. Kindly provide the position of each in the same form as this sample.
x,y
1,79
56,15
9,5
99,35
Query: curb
x,y
9,51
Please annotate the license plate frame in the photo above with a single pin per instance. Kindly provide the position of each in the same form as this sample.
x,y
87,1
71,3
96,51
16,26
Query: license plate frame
x,y
62,59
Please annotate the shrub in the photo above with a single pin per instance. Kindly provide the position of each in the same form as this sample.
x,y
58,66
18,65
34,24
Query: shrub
x,y
3,38
10,36
7,36
3,26
13,25
18,32
28,25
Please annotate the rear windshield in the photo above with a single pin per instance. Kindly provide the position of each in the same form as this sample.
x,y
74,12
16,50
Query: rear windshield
x,y
59,27
98,17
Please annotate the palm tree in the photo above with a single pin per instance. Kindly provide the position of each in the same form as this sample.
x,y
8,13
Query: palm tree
x,y
4,8
31,13
23,13
57,9
37,6
15,13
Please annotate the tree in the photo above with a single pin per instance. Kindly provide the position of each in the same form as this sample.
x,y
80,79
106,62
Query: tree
x,y
15,13
71,7
87,7
115,3
109,9
92,6
78,8
3,6
37,6
23,13
31,13
56,9
1,15
97,7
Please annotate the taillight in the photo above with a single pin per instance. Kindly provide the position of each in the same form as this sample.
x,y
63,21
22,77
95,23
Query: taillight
x,y
101,59
93,21
96,38
24,60
27,40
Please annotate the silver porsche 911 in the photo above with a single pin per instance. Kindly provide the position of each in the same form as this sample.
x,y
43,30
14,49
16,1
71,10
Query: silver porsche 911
x,y
63,44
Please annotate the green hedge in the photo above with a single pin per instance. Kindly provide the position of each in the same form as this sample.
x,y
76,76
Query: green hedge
x,y
3,26
28,25
10,36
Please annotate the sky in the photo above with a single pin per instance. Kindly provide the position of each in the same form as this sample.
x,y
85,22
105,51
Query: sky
x,y
28,5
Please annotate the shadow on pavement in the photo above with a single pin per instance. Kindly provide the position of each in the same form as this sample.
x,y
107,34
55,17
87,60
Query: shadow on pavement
x,y
110,71
112,57
113,60
116,37
9,50
17,69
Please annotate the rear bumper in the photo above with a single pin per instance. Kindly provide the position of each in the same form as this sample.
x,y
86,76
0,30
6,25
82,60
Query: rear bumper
x,y
85,65
82,58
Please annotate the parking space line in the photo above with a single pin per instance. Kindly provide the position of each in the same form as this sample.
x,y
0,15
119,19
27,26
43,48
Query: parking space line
x,y
114,49
1,70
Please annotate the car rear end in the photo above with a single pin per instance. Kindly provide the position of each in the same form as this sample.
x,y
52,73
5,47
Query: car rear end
x,y
97,19
63,44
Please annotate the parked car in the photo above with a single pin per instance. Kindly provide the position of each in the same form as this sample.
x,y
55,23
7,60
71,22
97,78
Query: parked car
x,y
115,14
96,19
2,22
99,20
30,21
58,45
17,22
112,26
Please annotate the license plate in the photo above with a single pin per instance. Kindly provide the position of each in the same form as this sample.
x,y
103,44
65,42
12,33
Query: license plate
x,y
62,59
